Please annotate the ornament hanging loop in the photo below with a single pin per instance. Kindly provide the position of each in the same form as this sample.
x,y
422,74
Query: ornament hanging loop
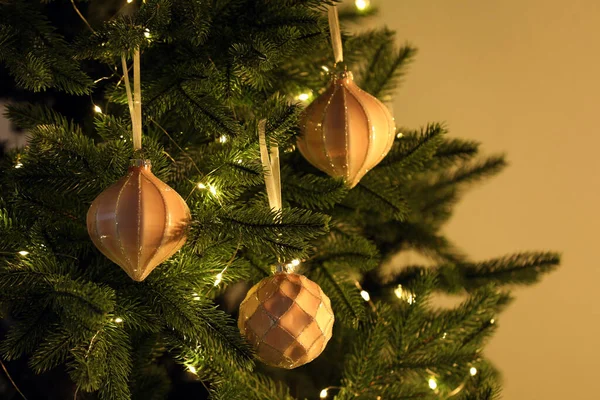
x,y
134,101
272,173
270,162
336,34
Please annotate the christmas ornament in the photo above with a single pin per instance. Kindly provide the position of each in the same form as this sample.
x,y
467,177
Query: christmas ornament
x,y
139,221
345,131
288,319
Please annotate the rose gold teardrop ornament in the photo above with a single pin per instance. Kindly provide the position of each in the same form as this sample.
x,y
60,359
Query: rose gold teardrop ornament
x,y
346,131
139,221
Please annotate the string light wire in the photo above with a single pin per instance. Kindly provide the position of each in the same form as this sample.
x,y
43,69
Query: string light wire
x,y
11,380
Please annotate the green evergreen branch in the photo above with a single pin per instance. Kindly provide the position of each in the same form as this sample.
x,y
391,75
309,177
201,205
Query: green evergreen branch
x,y
345,298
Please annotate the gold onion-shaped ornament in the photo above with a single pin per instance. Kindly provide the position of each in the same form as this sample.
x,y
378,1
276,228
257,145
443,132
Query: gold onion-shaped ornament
x,y
139,221
287,318
346,131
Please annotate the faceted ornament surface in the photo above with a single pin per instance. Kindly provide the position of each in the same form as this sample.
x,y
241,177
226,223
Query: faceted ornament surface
x,y
288,319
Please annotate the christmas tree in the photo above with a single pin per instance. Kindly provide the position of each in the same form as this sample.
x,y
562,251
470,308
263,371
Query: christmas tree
x,y
75,325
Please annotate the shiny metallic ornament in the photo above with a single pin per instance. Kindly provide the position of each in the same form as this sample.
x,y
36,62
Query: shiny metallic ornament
x,y
346,131
287,318
139,221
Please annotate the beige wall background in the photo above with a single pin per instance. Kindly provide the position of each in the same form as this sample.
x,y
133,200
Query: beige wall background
x,y
522,77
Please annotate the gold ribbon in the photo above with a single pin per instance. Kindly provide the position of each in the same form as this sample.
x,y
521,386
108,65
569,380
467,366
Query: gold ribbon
x,y
336,36
270,162
135,101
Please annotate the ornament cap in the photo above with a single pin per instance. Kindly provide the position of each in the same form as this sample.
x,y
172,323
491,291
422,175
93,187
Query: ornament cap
x,y
140,163
344,77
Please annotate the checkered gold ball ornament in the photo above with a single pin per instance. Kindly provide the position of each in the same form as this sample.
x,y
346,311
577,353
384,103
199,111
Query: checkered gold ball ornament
x,y
288,319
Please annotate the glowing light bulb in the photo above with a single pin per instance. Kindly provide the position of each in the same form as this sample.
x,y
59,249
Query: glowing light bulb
x,y
218,278
295,263
192,369
303,96
222,139
323,394
404,294
473,371
432,384
365,295
239,161
325,68
399,291
18,165
362,4
196,298
201,186
23,253
400,135
212,189
129,1
147,33
492,321
118,320
97,109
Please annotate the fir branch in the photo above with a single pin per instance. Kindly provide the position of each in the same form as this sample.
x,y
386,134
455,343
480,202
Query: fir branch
x,y
340,288
470,173
411,153
311,191
347,251
521,268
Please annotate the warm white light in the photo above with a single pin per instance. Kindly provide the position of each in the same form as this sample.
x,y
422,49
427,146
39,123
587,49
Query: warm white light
x,y
324,67
18,165
130,1
492,321
147,33
218,278
212,189
404,294
444,335
432,384
400,135
399,291
223,139
192,369
97,109
473,371
295,263
303,96
362,4
201,186
365,295
23,252
239,161
196,298
323,393
118,320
